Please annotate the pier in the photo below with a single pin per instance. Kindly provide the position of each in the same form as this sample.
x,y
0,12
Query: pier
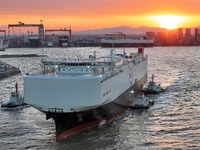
x,y
7,70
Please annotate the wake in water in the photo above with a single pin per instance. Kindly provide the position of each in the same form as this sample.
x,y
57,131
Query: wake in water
x,y
173,122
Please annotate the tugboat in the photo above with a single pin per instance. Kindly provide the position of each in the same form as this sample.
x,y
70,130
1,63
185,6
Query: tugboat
x,y
153,88
141,102
15,99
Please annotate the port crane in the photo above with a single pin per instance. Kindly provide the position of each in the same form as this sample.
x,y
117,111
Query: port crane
x,y
61,30
3,31
39,26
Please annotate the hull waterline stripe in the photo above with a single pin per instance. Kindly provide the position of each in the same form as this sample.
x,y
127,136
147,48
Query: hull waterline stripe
x,y
85,126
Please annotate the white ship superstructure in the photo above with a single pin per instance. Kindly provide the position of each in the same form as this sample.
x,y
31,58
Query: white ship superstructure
x,y
86,90
122,40
126,42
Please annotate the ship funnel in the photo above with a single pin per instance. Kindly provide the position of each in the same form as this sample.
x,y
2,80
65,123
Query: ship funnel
x,y
141,51
16,87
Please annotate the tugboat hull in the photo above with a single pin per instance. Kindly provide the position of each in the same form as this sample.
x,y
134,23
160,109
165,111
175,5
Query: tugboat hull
x,y
152,92
11,106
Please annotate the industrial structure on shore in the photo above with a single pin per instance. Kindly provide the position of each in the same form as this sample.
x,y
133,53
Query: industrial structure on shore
x,y
38,36
41,38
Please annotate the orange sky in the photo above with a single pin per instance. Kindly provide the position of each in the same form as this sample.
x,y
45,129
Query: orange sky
x,y
94,14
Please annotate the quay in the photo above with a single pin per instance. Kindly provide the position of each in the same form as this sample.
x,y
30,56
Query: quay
x,y
21,55
7,70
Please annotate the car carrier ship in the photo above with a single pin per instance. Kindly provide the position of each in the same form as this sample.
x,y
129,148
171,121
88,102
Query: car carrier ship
x,y
122,40
78,94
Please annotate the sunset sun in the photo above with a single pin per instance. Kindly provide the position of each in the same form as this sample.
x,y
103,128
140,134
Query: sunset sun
x,y
169,21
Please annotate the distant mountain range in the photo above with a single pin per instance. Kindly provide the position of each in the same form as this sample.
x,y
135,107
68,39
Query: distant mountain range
x,y
123,29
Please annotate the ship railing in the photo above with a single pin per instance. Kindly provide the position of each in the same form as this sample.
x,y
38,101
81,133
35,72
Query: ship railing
x,y
101,59
84,62
58,60
90,59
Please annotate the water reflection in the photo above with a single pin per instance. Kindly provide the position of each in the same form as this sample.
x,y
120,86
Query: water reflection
x,y
172,122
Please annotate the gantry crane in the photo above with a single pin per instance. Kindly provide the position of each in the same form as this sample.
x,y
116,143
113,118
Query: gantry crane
x,y
39,26
62,30
4,31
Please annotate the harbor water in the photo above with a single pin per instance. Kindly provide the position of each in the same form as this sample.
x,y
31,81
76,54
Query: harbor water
x,y
173,122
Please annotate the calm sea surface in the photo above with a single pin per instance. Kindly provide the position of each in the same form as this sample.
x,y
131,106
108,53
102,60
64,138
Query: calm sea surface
x,y
173,122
